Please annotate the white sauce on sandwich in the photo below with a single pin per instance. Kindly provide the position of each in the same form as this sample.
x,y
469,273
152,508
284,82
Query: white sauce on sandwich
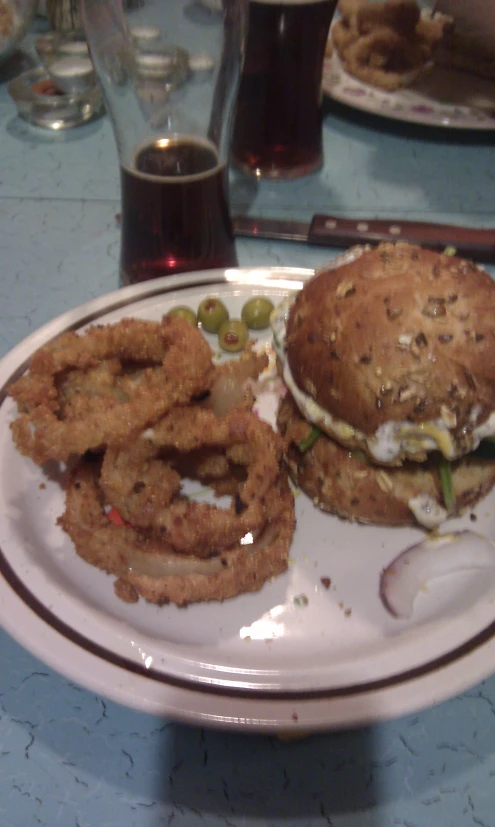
x,y
427,510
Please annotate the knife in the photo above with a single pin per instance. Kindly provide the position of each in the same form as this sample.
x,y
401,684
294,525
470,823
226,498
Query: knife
x,y
332,231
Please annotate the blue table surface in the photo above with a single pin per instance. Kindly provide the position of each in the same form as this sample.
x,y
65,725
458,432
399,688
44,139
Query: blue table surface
x,y
71,758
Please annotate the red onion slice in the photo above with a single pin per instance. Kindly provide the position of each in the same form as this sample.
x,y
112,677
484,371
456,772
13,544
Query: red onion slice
x,y
436,556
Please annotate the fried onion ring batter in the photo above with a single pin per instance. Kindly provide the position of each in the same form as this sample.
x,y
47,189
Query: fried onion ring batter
x,y
388,44
106,385
384,58
139,562
140,480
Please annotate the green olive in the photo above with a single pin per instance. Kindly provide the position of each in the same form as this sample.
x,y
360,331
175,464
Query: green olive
x,y
256,313
233,335
211,313
184,313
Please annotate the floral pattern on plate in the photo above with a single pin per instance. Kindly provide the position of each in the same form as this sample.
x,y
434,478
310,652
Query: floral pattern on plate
x,y
440,98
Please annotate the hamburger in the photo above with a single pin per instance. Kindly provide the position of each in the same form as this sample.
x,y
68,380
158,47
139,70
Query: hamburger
x,y
388,356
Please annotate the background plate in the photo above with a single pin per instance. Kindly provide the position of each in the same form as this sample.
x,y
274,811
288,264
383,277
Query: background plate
x,y
296,653
450,99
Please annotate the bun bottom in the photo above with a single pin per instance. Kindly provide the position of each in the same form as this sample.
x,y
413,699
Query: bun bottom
x,y
344,483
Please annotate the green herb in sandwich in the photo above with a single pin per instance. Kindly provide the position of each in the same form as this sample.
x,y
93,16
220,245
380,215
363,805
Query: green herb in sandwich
x,y
447,482
310,440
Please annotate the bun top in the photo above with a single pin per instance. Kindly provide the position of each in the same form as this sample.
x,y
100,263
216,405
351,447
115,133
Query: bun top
x,y
397,334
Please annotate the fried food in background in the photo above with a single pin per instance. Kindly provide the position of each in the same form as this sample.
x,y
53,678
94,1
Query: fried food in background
x,y
6,20
135,408
386,44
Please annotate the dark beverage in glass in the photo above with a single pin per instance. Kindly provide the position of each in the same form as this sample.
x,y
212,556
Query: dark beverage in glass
x,y
175,210
278,121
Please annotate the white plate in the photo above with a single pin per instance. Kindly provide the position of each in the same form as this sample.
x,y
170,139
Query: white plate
x,y
440,98
264,660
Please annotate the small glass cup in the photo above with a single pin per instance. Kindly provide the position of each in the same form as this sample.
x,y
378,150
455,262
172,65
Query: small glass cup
x,y
40,102
169,71
278,121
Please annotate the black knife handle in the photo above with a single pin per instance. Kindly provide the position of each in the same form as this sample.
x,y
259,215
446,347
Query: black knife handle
x,y
478,244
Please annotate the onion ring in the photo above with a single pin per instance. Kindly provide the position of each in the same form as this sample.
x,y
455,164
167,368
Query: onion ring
x,y
143,486
385,59
387,44
400,15
174,363
146,566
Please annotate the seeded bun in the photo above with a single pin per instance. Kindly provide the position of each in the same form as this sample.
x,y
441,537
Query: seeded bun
x,y
399,333
342,482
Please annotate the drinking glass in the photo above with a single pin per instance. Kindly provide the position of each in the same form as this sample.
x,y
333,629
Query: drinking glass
x,y
169,71
278,122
